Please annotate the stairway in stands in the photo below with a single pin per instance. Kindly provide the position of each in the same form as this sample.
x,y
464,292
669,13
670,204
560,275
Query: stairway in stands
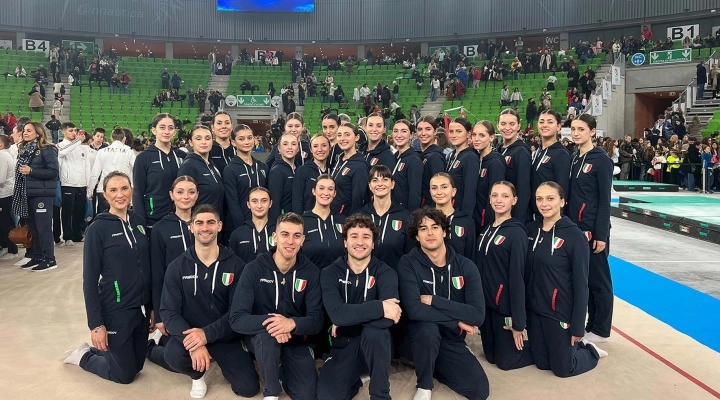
x,y
705,109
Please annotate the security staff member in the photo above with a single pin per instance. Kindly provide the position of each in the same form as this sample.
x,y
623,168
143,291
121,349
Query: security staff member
x,y
408,181
241,175
170,237
323,230
350,173
199,287
360,293
589,207
281,175
278,304
491,171
461,236
500,256
117,298
254,237
551,162
517,161
442,295
558,289
155,171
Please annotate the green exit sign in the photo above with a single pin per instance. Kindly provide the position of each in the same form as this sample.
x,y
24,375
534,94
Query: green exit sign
x,y
670,56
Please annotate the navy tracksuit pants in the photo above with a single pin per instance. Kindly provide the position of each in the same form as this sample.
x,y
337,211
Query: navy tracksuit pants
x,y
127,340
499,345
600,301
73,212
235,363
40,223
448,359
340,375
298,366
551,349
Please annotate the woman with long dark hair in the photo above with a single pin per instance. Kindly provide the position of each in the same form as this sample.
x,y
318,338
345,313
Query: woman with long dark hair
x,y
323,230
491,171
432,155
281,174
350,173
517,160
408,181
36,177
462,227
198,166
254,237
551,162
463,164
242,174
305,177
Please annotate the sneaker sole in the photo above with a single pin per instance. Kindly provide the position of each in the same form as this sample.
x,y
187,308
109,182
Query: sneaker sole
x,y
46,269
29,266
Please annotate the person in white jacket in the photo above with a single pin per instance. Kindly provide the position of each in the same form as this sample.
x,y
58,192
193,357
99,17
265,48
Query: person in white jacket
x,y
74,160
116,157
7,185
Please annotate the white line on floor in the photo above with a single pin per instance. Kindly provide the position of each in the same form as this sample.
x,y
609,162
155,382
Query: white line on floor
x,y
684,262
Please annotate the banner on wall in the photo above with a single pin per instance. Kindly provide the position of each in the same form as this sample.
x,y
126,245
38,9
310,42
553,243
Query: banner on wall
x,y
597,105
606,89
615,75
267,53
6,44
715,30
565,134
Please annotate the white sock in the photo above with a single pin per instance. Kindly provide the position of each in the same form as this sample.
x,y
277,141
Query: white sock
x,y
155,336
602,353
270,398
199,388
423,394
76,355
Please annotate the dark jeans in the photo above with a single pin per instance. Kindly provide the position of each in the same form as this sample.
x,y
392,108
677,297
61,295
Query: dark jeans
x,y
7,223
73,212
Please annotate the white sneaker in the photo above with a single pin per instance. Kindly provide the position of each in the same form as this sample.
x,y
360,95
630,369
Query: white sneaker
x,y
8,256
69,243
22,262
76,355
83,345
60,244
364,378
423,394
591,337
271,398
199,388
155,336
3,252
602,353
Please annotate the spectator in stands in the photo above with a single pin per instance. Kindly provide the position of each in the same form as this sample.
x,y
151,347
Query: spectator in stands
x,y
165,79
246,85
36,100
626,153
176,81
713,77
201,96
20,72
504,96
701,79
516,97
10,119
54,127
573,77
531,111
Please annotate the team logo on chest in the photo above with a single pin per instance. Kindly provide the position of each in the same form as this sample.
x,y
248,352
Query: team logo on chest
x,y
545,160
483,172
345,171
339,227
300,285
373,161
458,282
456,165
508,159
141,229
499,239
396,224
564,325
371,282
459,231
558,242
262,171
228,278
271,241
401,166
586,168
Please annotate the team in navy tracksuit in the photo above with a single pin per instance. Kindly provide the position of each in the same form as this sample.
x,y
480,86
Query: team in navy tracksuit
x,y
116,285
381,155
335,154
462,234
557,266
199,296
280,185
492,170
433,160
408,180
589,207
296,294
221,157
438,346
153,174
323,238
551,164
362,341
500,256
207,176
303,156
351,179
247,242
518,172
392,241
463,168
302,186
239,178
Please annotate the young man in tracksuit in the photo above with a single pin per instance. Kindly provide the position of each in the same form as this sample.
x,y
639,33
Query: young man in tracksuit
x,y
500,257
75,167
195,308
277,306
589,207
377,151
360,294
442,294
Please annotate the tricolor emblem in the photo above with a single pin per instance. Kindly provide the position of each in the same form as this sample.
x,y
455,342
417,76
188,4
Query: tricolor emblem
x,y
459,231
458,282
587,168
564,325
499,239
483,172
456,165
300,285
508,159
558,242
371,282
424,161
345,171
545,160
263,172
588,235
228,278
271,241
339,227
401,166
141,229
373,161
396,224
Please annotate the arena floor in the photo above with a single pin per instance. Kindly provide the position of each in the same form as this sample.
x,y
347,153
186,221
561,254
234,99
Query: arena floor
x,y
664,344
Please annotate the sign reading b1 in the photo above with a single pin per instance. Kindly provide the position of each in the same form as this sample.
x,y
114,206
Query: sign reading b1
x,y
680,32
37,45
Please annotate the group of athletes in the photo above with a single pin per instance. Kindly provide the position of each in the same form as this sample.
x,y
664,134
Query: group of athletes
x,y
349,250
